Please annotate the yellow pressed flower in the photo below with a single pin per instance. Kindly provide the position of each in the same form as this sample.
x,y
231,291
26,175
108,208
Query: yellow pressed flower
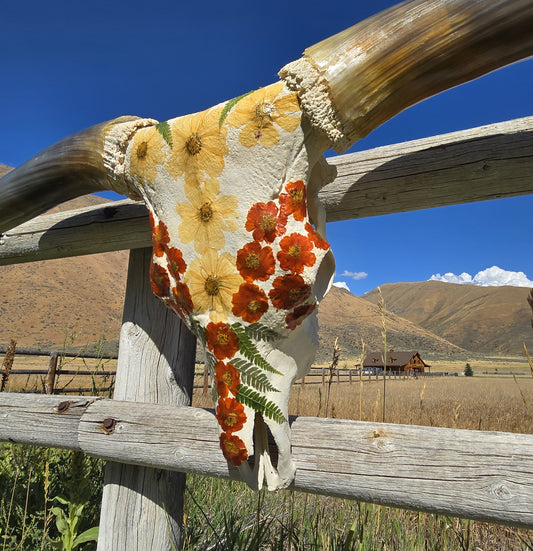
x,y
147,153
198,146
260,112
206,217
213,280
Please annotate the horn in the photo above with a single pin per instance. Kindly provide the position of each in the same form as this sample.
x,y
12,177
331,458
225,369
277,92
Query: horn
x,y
354,81
70,168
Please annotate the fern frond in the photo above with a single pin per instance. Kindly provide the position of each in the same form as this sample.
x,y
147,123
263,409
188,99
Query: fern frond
x,y
164,129
261,332
248,349
249,397
253,376
229,106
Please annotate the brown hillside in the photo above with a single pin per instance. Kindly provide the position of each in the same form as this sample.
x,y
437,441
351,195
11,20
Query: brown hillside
x,y
481,319
43,302
352,318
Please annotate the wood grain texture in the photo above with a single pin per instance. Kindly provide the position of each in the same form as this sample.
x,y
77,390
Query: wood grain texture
x,y
478,164
473,474
142,506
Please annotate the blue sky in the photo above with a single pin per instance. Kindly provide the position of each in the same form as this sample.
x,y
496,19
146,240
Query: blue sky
x,y
68,65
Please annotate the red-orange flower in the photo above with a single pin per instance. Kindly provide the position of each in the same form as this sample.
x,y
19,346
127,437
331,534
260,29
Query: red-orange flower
x,y
176,264
160,280
296,317
233,449
296,253
182,301
255,262
160,237
293,202
221,340
265,222
227,379
249,302
288,291
230,414
316,238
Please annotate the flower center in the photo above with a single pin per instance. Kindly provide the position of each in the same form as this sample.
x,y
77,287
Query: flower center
x,y
252,261
231,419
142,150
253,306
222,338
231,447
206,212
227,379
193,144
294,250
294,294
297,195
264,110
268,223
212,286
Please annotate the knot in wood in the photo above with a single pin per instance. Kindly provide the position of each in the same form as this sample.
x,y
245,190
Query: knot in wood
x,y
62,406
109,425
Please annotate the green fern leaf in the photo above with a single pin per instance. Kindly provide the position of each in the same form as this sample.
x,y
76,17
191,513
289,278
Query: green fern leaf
x,y
253,399
229,106
198,331
248,349
164,129
210,361
253,376
261,332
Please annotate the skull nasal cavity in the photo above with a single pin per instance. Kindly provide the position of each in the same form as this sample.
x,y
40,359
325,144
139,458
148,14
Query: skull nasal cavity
x,y
193,144
206,212
212,286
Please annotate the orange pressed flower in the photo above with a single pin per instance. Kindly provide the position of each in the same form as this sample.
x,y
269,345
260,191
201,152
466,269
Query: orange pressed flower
x,y
255,262
296,253
221,340
160,237
250,302
296,317
288,291
227,379
265,223
230,415
316,238
293,202
182,301
160,280
233,449
176,264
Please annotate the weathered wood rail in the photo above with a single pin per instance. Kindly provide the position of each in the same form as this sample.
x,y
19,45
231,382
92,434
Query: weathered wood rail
x,y
147,438
478,164
473,474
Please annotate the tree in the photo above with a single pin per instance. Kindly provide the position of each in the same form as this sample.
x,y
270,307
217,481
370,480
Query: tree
x,y
468,370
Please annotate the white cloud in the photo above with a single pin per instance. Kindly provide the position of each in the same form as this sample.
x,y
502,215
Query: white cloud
x,y
354,275
342,285
491,277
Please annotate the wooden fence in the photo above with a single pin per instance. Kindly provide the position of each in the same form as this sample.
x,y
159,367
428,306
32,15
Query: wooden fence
x,y
150,441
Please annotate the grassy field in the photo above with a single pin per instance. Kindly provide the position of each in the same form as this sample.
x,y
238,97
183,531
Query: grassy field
x,y
227,516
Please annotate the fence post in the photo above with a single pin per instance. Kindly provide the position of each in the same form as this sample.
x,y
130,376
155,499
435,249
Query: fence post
x,y
50,382
142,508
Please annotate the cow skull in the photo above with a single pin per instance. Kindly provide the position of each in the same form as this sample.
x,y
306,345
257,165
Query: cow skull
x,y
239,249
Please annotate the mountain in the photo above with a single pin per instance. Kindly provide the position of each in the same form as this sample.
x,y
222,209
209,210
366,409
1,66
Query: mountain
x,y
349,318
480,319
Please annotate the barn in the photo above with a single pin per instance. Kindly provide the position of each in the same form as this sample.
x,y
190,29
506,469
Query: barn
x,y
396,361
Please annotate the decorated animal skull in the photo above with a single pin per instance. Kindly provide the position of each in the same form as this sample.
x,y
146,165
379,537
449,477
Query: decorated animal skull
x,y
239,247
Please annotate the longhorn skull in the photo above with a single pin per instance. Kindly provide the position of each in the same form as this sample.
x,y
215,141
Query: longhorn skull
x,y
239,249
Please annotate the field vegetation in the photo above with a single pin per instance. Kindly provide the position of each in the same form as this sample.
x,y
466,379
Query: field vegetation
x,y
49,499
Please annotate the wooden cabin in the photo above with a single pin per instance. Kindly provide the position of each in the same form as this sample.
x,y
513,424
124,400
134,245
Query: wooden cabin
x,y
396,361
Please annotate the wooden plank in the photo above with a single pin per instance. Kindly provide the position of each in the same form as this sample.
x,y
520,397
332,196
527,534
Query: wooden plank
x,y
478,164
39,419
142,506
473,474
